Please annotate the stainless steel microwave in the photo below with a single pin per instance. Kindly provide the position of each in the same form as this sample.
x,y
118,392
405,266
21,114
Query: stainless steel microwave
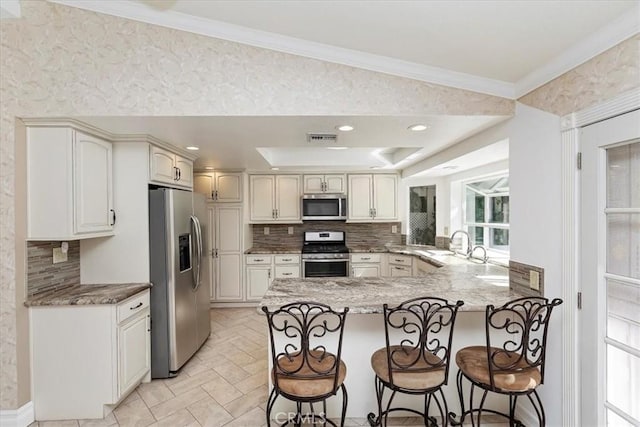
x,y
323,207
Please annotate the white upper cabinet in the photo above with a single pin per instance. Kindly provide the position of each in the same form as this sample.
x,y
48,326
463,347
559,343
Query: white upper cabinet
x,y
274,198
373,197
169,168
69,185
219,186
334,183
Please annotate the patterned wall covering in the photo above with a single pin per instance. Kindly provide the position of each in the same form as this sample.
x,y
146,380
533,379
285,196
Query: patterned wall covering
x,y
61,61
609,74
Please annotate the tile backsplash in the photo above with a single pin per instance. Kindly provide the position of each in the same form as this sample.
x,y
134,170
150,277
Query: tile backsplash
x,y
519,276
43,274
365,234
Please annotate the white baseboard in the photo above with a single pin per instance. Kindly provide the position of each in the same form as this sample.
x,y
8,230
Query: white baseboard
x,y
20,417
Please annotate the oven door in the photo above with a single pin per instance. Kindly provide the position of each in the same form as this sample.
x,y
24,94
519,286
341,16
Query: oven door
x,y
325,267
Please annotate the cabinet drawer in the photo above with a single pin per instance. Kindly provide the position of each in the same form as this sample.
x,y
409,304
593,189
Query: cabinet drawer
x,y
132,306
400,259
259,259
365,257
287,259
400,271
287,271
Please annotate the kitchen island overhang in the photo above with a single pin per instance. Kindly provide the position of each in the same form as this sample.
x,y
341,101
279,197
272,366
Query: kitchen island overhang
x,y
476,284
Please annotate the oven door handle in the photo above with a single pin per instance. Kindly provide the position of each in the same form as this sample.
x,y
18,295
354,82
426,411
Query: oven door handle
x,y
326,260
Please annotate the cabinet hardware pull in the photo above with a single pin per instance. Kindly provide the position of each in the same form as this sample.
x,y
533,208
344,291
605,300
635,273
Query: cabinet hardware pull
x,y
213,195
398,260
114,217
137,306
286,259
276,213
287,274
175,173
269,274
365,258
179,174
258,260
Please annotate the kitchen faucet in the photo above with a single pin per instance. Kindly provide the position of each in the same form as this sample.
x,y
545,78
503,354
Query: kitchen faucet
x,y
469,244
484,250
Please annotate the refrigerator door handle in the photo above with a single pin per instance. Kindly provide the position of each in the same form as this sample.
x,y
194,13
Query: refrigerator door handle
x,y
198,264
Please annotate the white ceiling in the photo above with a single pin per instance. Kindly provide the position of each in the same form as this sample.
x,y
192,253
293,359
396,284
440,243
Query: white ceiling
x,y
505,48
260,143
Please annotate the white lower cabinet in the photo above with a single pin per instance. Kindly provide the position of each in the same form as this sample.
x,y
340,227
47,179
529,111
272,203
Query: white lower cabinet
x,y
88,356
366,265
400,265
262,269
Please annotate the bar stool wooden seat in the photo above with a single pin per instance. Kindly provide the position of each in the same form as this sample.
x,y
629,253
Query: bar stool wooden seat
x,y
513,361
306,345
416,357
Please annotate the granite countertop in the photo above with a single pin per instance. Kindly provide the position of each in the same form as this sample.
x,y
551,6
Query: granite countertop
x,y
274,250
87,294
476,284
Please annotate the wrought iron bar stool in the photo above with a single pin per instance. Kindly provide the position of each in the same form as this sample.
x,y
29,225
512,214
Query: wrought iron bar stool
x,y
306,344
516,366
416,357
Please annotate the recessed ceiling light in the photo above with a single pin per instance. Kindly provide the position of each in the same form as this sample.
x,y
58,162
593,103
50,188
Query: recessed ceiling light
x,y
275,169
209,168
345,128
337,148
418,127
193,148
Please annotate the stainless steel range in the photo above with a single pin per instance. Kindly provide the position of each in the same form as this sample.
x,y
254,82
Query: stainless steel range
x,y
325,254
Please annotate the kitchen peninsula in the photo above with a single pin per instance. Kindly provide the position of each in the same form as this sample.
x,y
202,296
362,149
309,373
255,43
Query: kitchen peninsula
x,y
456,279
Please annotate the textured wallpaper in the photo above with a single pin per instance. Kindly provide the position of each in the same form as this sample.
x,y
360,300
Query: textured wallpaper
x,y
599,79
61,61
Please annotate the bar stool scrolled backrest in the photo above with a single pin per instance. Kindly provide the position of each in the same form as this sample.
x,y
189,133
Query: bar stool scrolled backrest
x,y
524,322
306,348
426,326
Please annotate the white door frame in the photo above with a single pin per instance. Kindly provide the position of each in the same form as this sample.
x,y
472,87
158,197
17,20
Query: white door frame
x,y
570,126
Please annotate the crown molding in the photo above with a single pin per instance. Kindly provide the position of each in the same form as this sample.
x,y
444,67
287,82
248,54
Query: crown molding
x,y
616,32
103,134
295,46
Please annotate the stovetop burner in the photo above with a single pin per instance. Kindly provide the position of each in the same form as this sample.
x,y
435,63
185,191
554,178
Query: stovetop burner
x,y
324,242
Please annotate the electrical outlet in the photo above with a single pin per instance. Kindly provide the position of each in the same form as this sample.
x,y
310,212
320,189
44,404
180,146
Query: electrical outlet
x,y
59,256
534,280
266,231
394,229
290,230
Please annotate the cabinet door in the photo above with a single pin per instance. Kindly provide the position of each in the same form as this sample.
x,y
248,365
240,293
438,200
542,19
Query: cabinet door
x,y
335,184
261,193
288,197
360,197
385,197
228,187
258,280
313,183
134,345
370,270
399,271
229,280
185,172
287,271
204,183
92,183
228,252
162,165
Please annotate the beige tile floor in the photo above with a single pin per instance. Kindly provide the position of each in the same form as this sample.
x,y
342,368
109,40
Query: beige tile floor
x,y
224,384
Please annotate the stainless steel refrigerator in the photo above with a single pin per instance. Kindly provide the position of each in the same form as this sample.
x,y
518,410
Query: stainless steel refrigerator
x,y
180,294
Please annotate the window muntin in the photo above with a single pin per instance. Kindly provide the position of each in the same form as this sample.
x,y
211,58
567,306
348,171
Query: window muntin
x,y
487,212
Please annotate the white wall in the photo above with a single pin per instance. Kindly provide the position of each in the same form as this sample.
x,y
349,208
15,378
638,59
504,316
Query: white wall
x,y
536,225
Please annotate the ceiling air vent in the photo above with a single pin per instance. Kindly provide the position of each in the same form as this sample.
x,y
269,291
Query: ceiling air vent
x,y
322,137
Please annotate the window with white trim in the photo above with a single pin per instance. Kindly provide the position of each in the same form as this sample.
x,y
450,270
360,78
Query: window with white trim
x,y
486,213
